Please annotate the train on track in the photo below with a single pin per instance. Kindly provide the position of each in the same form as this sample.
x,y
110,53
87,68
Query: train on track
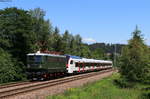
x,y
42,66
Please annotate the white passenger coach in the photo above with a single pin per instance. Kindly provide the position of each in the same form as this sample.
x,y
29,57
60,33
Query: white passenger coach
x,y
83,65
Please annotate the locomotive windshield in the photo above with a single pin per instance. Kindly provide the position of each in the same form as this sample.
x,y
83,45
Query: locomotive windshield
x,y
38,59
34,59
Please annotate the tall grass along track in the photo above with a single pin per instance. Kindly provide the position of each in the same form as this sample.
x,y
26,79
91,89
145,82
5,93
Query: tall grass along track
x,y
40,85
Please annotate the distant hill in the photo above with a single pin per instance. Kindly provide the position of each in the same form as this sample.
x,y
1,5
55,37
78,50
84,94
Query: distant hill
x,y
108,48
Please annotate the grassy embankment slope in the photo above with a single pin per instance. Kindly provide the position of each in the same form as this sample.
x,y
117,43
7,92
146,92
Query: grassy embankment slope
x,y
103,89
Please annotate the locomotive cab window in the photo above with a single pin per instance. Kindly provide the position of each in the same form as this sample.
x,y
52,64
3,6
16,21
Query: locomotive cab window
x,y
30,58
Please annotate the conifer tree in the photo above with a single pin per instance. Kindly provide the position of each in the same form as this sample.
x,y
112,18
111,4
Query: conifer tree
x,y
135,59
66,39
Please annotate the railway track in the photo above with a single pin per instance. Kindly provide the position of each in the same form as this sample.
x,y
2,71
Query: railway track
x,y
39,85
14,84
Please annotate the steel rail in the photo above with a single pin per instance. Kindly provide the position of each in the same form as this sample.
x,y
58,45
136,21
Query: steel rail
x,y
14,84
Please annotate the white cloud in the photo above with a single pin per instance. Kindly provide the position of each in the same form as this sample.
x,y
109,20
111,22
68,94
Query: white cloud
x,y
88,40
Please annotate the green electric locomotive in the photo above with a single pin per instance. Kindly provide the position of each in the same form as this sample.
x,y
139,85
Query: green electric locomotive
x,y
43,66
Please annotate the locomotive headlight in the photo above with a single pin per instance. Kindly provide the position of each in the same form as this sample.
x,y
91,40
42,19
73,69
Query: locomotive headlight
x,y
40,66
28,66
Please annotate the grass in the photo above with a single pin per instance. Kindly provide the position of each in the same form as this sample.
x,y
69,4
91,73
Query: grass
x,y
103,89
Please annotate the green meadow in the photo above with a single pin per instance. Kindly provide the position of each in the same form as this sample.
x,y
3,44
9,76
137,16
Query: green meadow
x,y
105,89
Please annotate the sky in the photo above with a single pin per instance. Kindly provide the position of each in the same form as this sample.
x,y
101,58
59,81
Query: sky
x,y
108,21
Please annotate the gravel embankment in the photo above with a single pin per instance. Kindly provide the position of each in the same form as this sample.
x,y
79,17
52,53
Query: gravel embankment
x,y
42,93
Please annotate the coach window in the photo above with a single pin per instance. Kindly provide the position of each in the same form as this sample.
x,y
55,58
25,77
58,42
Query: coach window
x,y
71,62
76,65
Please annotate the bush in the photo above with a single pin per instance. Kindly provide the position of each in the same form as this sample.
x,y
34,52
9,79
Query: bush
x,y
145,95
9,69
123,83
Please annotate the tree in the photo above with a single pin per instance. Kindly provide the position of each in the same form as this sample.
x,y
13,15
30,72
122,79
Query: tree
x,y
66,39
42,29
135,64
37,13
85,51
16,34
56,40
98,53
75,45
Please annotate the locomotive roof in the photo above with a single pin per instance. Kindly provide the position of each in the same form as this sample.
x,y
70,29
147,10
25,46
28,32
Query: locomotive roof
x,y
44,54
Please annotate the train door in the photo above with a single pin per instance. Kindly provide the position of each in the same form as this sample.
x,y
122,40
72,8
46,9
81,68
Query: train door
x,y
71,66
